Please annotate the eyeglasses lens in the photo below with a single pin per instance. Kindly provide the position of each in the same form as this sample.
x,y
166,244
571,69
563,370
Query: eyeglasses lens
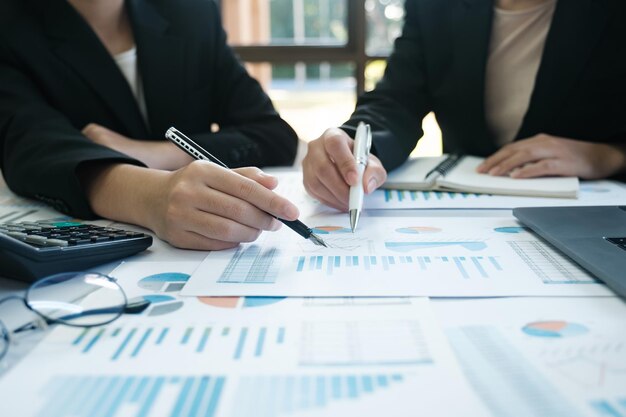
x,y
77,298
4,340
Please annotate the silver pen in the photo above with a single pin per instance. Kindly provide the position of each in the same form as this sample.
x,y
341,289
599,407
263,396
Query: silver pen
x,y
361,152
192,148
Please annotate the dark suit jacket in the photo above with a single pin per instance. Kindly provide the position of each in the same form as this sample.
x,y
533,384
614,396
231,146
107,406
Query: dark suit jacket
x,y
56,77
439,62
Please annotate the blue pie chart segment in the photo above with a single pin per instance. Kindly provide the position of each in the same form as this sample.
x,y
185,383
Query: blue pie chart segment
x,y
554,329
511,229
161,304
164,282
249,302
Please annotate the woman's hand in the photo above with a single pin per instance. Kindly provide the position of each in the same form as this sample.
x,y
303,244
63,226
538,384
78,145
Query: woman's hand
x,y
154,154
545,155
330,169
201,206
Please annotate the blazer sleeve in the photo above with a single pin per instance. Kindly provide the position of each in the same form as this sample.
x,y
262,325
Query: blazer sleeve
x,y
396,107
40,150
250,130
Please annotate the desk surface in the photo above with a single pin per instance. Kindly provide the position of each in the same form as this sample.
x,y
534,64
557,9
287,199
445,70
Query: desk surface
x,y
519,356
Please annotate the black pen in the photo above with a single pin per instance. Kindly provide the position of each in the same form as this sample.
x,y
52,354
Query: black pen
x,y
196,151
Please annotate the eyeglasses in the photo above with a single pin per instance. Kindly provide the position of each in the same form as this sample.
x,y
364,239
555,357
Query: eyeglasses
x,y
77,299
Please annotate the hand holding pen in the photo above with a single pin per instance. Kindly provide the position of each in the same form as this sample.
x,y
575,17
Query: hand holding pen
x,y
260,200
361,152
330,169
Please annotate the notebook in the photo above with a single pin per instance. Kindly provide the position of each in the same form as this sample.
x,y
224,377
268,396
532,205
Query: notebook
x,y
458,173
594,237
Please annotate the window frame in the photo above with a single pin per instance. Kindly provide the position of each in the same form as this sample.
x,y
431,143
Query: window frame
x,y
354,51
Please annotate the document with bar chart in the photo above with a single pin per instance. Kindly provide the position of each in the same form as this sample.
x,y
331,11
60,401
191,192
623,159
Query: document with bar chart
x,y
592,193
557,357
309,357
395,256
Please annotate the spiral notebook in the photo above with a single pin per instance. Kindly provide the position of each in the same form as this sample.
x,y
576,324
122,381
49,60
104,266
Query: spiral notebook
x,y
458,173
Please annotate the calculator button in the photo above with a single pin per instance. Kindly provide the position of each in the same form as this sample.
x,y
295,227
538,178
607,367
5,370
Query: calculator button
x,y
80,241
18,235
56,242
37,240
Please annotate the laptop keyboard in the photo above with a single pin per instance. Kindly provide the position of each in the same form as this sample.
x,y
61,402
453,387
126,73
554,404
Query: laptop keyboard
x,y
619,241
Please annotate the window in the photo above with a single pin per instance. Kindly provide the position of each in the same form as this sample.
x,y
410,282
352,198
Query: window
x,y
314,57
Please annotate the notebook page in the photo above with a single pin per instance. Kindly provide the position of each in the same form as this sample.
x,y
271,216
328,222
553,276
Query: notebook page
x,y
465,178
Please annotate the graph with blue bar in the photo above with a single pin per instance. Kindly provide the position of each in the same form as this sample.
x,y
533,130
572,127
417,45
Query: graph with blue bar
x,y
252,265
608,408
549,265
135,343
406,195
132,396
487,356
464,266
283,395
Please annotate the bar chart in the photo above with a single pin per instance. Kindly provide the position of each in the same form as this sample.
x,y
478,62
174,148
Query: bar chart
x,y
252,265
402,195
487,356
132,396
465,267
284,395
609,408
138,342
550,266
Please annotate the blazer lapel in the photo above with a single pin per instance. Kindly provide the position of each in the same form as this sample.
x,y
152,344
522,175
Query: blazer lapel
x,y
566,52
473,19
80,48
161,62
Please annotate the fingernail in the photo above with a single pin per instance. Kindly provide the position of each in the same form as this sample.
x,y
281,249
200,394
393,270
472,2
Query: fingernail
x,y
371,185
494,171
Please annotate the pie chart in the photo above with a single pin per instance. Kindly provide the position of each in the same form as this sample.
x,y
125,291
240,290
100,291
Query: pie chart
x,y
328,230
160,304
511,229
554,329
239,302
418,230
164,282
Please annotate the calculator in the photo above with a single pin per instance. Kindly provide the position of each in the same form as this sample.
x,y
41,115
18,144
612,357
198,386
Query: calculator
x,y
31,250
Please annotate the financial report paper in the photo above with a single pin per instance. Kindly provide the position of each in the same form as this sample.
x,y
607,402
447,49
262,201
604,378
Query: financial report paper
x,y
396,256
243,356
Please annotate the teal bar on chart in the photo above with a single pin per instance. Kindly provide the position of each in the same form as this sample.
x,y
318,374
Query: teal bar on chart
x,y
121,348
104,396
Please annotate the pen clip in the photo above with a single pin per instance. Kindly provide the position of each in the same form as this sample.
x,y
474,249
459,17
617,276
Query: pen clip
x,y
363,143
368,144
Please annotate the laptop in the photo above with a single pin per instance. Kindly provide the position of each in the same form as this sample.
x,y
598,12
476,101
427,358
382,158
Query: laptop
x,y
594,237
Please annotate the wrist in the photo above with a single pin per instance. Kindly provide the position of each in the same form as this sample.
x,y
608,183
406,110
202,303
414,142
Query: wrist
x,y
162,155
125,193
616,159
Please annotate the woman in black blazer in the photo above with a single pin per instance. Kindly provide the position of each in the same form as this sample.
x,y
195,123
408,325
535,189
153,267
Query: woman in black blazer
x,y
574,119
87,135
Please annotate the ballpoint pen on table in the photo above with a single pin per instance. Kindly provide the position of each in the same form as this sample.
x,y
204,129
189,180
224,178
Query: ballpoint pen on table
x,y
196,151
361,151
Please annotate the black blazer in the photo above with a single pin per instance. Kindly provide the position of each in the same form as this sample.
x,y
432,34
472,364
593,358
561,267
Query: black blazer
x,y
56,77
438,64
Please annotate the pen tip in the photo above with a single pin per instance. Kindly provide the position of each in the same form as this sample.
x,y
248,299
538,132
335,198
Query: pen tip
x,y
354,219
317,240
